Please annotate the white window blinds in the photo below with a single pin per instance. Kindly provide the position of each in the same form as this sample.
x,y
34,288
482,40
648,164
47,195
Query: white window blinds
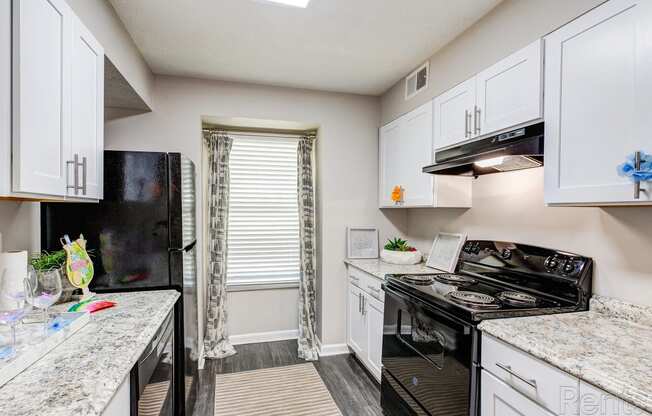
x,y
263,234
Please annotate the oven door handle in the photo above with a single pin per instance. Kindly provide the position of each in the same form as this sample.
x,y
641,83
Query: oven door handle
x,y
419,353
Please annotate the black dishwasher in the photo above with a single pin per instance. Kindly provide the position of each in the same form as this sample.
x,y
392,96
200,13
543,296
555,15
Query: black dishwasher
x,y
152,379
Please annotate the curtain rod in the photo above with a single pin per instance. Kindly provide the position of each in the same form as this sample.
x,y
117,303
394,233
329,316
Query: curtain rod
x,y
262,133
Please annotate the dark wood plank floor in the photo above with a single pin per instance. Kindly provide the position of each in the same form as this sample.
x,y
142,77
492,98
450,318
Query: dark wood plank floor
x,y
353,389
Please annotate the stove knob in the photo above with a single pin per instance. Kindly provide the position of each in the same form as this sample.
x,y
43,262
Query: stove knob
x,y
569,267
506,254
551,263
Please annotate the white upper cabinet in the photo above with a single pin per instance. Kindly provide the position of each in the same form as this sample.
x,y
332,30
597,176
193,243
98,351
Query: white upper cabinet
x,y
42,34
453,114
405,147
57,104
597,104
390,151
87,101
509,92
503,96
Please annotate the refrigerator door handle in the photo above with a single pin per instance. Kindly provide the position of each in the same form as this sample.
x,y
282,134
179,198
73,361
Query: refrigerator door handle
x,y
185,249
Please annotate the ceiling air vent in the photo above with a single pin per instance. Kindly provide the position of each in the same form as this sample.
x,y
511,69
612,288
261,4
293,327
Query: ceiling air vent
x,y
417,81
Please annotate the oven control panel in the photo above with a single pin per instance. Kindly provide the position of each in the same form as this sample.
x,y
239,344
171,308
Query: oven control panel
x,y
523,258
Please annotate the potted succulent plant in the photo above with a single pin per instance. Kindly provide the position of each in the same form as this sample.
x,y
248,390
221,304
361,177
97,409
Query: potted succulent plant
x,y
398,251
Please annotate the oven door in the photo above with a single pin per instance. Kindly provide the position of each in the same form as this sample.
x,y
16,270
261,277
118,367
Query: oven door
x,y
427,358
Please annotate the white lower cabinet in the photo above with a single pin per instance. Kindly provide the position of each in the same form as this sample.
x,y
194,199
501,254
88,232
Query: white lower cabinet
x,y
365,305
373,315
357,335
120,404
500,399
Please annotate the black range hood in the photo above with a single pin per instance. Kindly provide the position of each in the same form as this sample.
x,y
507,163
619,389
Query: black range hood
x,y
521,148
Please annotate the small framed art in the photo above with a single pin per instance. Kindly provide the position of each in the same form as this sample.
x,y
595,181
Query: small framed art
x,y
362,242
445,251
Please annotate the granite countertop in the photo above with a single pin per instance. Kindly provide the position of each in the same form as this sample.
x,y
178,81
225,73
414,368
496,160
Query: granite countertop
x,y
80,376
379,268
609,346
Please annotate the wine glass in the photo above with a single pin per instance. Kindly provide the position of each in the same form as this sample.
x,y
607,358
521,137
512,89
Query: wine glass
x,y
43,290
13,306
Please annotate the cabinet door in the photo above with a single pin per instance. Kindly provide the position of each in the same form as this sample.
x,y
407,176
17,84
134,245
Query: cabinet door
x,y
42,32
87,102
453,113
597,102
416,152
357,333
594,401
499,399
390,157
509,92
373,317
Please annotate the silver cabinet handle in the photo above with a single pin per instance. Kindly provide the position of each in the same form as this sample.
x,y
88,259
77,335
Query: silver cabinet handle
x,y
84,171
476,119
360,302
364,305
467,124
637,166
75,164
530,382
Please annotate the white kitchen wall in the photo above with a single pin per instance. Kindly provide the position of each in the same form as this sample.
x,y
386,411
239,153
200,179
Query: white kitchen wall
x,y
347,176
510,207
20,226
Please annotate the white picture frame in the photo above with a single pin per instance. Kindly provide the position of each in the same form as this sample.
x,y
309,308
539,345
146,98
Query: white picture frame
x,y
361,242
445,251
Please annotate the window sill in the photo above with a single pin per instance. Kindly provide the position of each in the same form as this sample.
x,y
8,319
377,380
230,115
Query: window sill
x,y
251,286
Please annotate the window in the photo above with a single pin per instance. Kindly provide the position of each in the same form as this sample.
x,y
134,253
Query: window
x,y
263,233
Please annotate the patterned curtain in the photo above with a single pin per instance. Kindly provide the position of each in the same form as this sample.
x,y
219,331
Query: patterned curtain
x,y
307,296
216,340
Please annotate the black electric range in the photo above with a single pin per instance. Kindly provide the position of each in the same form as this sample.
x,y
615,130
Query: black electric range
x,y
431,345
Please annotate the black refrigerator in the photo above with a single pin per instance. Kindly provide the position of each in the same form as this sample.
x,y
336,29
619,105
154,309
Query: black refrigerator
x,y
142,236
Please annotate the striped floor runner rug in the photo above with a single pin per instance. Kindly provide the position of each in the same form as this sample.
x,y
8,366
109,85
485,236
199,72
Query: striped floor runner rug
x,y
295,390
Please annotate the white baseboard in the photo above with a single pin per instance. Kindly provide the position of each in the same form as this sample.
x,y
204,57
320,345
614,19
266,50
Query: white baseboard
x,y
264,337
326,350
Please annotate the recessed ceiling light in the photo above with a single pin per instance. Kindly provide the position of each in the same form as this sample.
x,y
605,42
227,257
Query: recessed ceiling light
x,y
293,3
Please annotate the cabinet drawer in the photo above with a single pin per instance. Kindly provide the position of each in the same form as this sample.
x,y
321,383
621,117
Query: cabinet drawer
x,y
548,386
368,283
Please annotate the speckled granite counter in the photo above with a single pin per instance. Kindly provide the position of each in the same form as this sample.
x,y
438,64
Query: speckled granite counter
x,y
609,346
379,268
80,376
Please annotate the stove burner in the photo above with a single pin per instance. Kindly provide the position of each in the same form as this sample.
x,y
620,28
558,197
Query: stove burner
x,y
418,279
518,298
454,279
474,299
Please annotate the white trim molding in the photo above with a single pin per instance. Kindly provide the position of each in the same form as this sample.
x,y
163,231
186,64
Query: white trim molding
x,y
332,349
257,337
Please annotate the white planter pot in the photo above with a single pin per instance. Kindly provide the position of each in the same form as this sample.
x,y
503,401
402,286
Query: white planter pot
x,y
401,257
